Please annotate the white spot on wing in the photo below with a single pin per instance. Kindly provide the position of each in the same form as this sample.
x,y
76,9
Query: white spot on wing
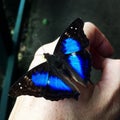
x,y
75,28
19,84
21,88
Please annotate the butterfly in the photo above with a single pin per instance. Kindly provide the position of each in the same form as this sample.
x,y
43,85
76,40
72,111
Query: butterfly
x,y
55,79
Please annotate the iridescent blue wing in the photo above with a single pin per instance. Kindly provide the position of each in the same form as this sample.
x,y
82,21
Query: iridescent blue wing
x,y
72,48
42,81
73,39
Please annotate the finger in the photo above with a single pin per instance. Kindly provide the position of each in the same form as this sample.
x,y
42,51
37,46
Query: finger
x,y
110,75
97,59
97,40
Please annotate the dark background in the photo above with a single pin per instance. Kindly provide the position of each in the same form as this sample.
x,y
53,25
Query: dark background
x,y
45,20
58,15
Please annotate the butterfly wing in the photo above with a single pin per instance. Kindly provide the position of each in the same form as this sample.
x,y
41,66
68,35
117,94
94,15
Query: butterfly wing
x,y
72,40
28,83
47,80
72,48
42,81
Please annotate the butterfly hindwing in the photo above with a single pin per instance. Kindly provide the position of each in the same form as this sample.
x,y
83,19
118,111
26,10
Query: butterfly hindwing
x,y
80,65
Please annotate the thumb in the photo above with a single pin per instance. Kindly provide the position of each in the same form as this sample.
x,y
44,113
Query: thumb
x,y
109,83
110,80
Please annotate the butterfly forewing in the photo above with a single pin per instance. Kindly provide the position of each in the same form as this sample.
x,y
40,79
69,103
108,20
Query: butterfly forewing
x,y
30,83
73,39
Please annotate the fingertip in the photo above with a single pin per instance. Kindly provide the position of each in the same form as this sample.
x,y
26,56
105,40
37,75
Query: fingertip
x,y
89,29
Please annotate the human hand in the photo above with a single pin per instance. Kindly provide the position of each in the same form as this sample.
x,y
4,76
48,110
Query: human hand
x,y
99,102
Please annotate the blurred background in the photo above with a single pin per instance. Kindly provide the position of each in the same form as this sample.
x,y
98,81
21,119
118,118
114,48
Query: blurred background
x,y
25,25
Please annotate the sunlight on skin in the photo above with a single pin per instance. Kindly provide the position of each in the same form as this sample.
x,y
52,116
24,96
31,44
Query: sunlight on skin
x,y
39,57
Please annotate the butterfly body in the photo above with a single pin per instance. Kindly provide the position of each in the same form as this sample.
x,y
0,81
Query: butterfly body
x,y
56,78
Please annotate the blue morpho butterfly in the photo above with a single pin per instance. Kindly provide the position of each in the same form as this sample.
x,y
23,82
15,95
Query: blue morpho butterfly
x,y
55,78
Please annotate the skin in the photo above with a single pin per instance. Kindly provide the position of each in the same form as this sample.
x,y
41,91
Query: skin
x,y
98,102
